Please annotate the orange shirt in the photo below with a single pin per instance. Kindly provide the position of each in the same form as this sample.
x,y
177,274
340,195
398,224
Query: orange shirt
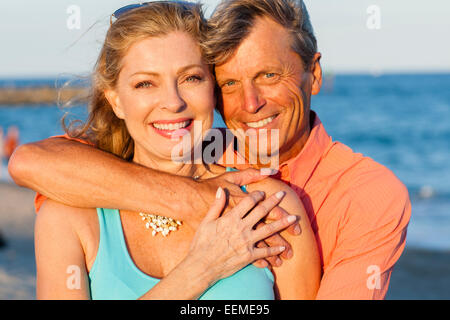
x,y
359,212
9,145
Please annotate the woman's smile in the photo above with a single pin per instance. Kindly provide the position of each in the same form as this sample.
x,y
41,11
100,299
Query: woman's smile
x,y
173,128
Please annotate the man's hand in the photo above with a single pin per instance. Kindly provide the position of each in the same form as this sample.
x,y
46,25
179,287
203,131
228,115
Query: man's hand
x,y
231,182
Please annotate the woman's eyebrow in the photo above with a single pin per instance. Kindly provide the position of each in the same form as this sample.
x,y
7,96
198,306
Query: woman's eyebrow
x,y
155,74
184,69
148,73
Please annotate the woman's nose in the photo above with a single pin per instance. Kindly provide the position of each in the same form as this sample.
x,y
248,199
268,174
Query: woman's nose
x,y
172,100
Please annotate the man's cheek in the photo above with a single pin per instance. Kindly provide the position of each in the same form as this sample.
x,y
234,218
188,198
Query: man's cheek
x,y
290,89
230,107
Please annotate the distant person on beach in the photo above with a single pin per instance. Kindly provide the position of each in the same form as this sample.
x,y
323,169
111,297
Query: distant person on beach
x,y
267,67
150,74
2,240
10,142
1,152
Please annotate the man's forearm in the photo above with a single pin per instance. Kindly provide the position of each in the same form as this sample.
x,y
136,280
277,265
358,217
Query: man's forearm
x,y
82,176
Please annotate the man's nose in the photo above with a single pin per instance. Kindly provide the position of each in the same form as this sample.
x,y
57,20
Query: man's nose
x,y
253,99
172,100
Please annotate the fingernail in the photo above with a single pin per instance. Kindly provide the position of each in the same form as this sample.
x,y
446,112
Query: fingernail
x,y
282,249
219,193
290,254
280,194
291,219
297,229
279,262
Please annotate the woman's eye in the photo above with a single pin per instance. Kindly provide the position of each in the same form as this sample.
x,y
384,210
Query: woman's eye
x,y
193,79
143,84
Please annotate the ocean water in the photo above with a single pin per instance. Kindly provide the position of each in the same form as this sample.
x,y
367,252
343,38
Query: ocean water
x,y
401,121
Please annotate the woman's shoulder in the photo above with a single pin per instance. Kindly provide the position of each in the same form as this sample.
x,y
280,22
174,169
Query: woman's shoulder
x,y
58,213
54,215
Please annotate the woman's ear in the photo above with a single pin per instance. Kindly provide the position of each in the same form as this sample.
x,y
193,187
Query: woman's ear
x,y
316,71
114,101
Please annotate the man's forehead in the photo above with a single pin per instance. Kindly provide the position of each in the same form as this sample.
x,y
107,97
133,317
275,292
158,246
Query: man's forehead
x,y
267,45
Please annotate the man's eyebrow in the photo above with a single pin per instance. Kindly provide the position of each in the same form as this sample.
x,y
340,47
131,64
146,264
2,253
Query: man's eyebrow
x,y
268,69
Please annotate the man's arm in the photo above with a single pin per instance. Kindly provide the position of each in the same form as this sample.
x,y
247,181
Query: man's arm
x,y
83,176
371,239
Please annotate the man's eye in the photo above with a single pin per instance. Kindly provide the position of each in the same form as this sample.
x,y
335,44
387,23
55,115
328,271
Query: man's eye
x,y
143,84
230,83
270,75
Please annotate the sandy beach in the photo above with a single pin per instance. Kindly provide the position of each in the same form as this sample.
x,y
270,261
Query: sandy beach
x,y
17,266
419,274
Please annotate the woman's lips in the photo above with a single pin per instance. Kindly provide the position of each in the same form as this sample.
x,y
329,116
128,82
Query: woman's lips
x,y
173,129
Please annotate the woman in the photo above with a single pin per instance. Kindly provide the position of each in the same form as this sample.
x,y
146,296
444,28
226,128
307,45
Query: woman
x,y
150,86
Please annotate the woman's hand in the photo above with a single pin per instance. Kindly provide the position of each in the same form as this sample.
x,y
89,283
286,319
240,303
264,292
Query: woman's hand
x,y
232,182
225,244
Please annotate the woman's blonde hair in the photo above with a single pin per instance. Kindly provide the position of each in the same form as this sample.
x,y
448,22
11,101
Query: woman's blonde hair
x,y
102,126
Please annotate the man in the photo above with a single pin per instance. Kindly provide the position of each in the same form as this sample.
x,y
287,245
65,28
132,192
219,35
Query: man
x,y
267,68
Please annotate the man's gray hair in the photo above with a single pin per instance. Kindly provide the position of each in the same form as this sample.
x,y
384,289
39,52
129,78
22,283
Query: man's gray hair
x,y
232,22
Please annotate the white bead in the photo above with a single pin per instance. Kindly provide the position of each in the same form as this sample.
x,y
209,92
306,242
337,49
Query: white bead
x,y
160,224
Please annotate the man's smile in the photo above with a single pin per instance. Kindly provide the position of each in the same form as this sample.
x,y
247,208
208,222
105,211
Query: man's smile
x,y
261,123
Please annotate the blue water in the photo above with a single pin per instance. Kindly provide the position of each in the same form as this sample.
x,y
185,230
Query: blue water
x,y
401,121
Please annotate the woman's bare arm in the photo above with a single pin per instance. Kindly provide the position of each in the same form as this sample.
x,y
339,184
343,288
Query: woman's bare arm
x,y
60,258
62,267
219,249
299,277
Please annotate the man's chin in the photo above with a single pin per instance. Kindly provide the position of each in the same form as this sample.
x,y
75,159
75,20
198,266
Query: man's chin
x,y
262,160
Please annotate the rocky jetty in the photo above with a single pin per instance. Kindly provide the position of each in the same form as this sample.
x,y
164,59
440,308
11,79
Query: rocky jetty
x,y
39,95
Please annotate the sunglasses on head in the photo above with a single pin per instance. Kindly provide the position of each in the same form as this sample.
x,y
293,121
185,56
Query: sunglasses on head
x,y
121,11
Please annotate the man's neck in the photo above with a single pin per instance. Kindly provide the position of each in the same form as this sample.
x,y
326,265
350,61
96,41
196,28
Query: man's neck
x,y
291,151
286,153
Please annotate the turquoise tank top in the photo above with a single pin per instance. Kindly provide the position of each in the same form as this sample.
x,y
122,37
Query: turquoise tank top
x,y
114,276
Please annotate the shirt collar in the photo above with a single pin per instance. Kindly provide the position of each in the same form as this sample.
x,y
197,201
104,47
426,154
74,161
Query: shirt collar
x,y
302,166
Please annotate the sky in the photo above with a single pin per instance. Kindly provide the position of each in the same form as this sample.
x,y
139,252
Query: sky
x,y
45,39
